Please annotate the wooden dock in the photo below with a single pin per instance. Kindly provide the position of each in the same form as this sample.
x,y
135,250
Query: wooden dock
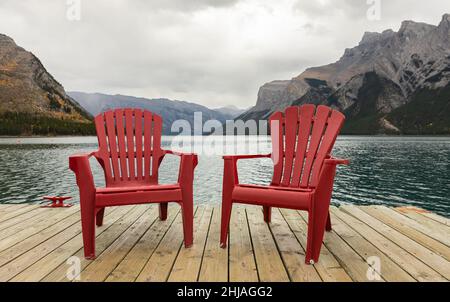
x,y
372,243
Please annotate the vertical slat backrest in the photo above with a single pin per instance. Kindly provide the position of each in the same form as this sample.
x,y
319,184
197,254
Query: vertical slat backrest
x,y
121,143
103,146
129,126
335,123
306,115
303,140
138,118
320,121
157,152
276,132
130,148
112,142
148,116
290,135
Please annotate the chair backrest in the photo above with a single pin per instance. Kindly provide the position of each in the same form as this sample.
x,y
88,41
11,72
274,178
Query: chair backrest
x,y
301,140
129,146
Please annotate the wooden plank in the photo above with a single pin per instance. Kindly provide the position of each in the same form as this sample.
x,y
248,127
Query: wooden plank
x,y
423,216
39,241
13,236
188,262
4,206
18,248
103,240
160,263
425,255
99,269
51,261
356,267
17,212
16,225
291,251
214,266
419,227
385,215
24,219
328,267
7,208
242,260
130,267
268,260
390,271
439,231
405,260
438,218
67,229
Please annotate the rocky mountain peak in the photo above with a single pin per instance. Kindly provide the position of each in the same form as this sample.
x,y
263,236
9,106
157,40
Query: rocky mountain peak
x,y
445,22
419,29
375,37
6,39
384,72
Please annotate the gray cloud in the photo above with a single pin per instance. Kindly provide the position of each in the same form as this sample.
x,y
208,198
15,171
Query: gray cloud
x,y
211,52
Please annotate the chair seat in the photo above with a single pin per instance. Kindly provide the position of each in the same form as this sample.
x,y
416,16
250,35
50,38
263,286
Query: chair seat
x,y
285,197
275,188
111,196
137,188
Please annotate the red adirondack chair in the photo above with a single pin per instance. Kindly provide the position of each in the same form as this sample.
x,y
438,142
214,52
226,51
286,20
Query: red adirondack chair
x,y
130,154
303,172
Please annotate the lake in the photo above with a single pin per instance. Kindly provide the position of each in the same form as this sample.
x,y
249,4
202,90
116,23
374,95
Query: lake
x,y
391,171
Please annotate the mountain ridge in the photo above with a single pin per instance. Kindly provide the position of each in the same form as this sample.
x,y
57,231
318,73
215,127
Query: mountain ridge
x,y
395,66
32,102
170,110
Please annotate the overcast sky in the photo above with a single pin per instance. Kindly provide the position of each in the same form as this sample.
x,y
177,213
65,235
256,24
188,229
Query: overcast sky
x,y
212,52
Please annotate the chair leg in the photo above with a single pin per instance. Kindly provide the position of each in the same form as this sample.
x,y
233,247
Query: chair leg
x,y
99,217
88,226
187,209
225,222
163,211
267,214
317,220
328,227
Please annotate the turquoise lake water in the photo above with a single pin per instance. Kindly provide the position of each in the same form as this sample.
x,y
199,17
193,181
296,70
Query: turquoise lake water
x,y
391,171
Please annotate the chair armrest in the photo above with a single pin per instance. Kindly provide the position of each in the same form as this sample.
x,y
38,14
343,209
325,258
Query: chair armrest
x,y
79,164
237,157
188,163
230,172
178,153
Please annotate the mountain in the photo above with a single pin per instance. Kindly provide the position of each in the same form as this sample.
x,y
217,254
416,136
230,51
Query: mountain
x,y
32,102
391,83
170,110
230,111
